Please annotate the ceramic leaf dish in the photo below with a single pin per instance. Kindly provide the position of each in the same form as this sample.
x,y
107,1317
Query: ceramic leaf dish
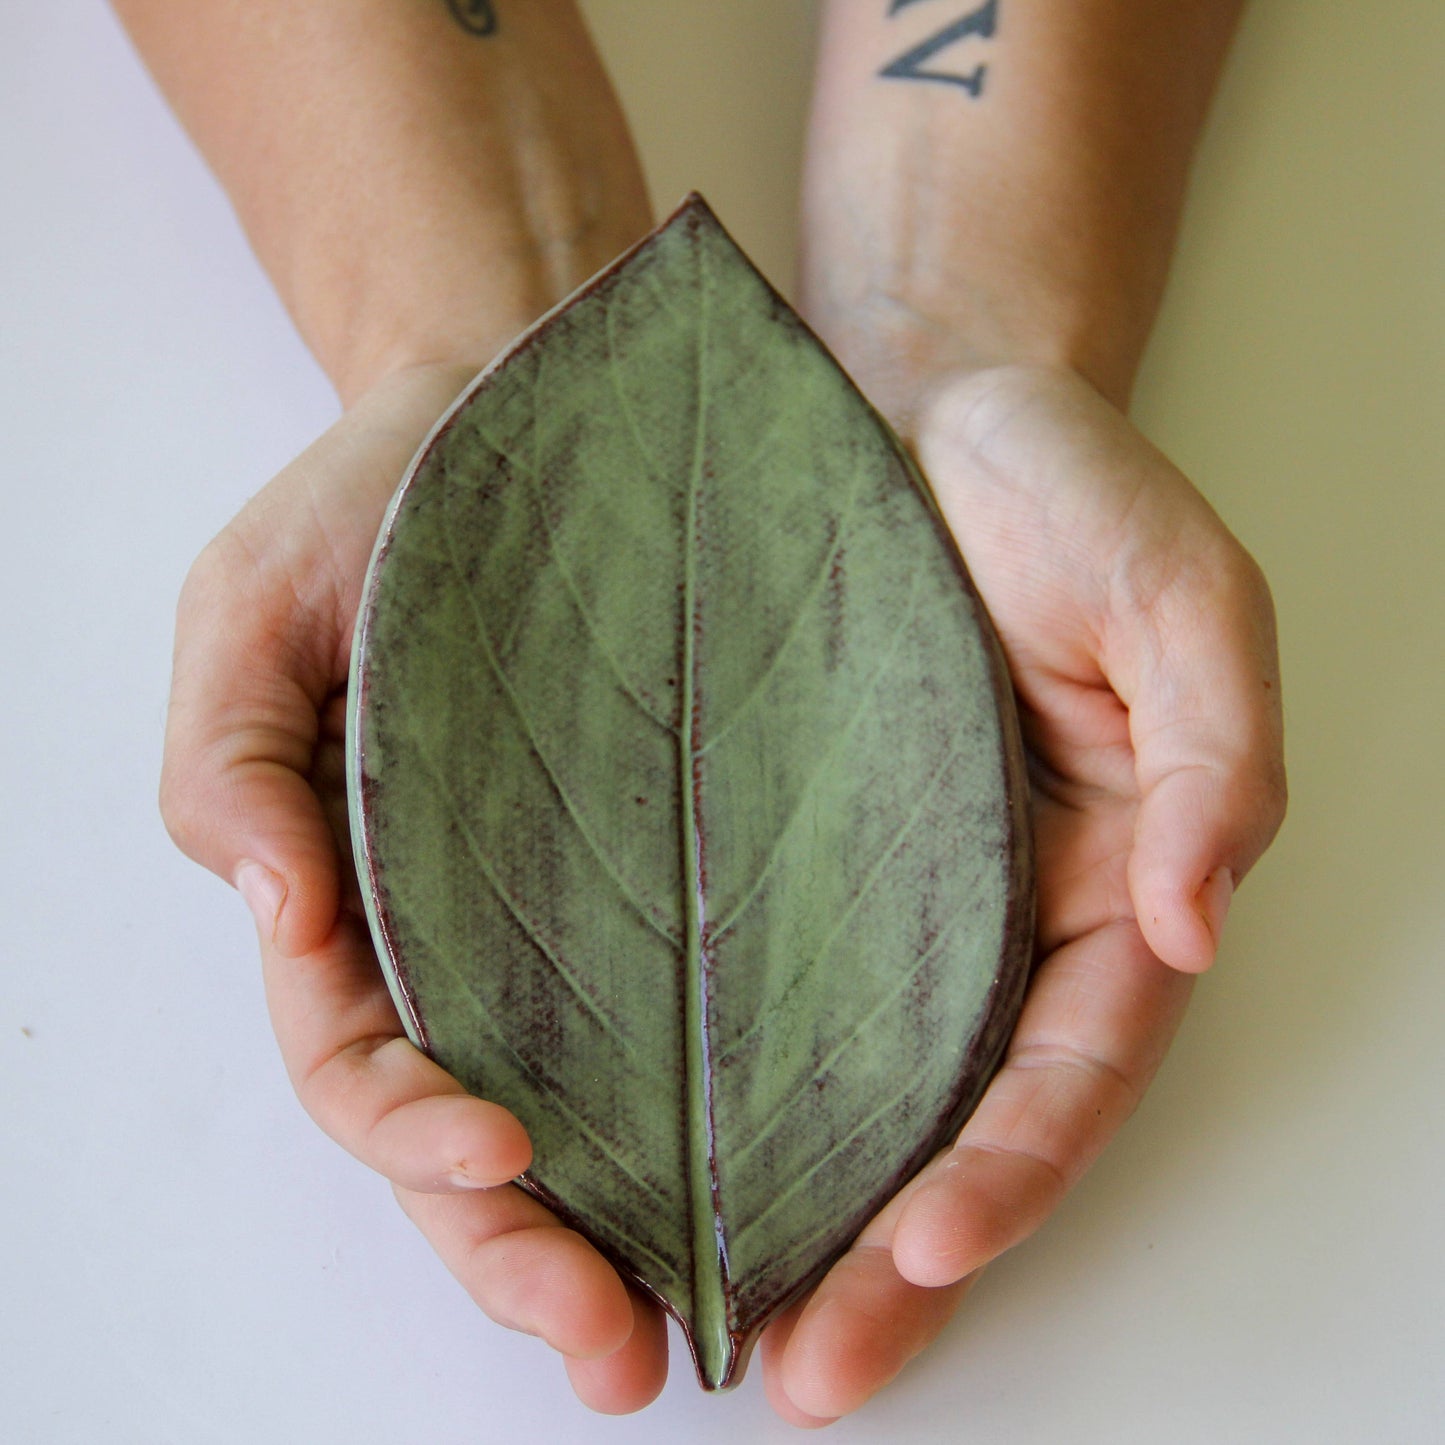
x,y
686,786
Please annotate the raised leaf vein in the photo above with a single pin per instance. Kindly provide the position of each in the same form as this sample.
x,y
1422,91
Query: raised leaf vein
x,y
655,474
815,591
802,1181
531,472
524,718
835,744
489,872
926,796
768,1127
709,1266
574,1117
659,290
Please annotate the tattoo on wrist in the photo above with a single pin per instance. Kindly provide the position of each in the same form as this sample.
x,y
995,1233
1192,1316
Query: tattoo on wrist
x,y
980,24
477,17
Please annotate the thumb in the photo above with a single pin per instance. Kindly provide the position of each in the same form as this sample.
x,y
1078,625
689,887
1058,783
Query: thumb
x,y
240,737
1197,666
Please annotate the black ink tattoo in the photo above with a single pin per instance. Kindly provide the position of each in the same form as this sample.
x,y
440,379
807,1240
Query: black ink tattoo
x,y
477,17
982,23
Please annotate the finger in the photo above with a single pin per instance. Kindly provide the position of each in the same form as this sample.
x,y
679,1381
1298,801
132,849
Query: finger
x,y
1197,663
527,1271
327,778
629,1378
367,1086
1097,1022
240,735
861,1326
774,1347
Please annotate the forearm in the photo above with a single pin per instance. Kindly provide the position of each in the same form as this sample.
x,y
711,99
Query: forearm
x,y
1023,209
418,190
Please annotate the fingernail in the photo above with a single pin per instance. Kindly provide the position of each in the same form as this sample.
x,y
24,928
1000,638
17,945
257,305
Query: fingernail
x,y
1213,900
264,892
458,1179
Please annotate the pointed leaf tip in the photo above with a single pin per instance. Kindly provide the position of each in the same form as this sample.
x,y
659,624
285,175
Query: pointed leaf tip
x,y
693,203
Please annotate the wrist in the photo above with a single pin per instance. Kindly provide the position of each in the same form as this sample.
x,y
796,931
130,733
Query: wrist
x,y
1025,212
468,296
418,190
902,345
463,237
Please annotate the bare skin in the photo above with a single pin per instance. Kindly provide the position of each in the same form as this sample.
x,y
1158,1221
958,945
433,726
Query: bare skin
x,y
421,181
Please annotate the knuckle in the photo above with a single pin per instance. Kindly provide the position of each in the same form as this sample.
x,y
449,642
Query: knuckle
x,y
1275,800
176,812
1246,580
357,1088
1204,570
216,612
185,807
1217,564
1262,801
220,573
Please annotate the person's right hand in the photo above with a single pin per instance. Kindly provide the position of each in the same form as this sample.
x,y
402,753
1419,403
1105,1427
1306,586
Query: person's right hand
x,y
253,788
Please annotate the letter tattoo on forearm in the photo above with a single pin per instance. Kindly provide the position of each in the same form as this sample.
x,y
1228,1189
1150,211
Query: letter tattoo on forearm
x,y
981,24
476,17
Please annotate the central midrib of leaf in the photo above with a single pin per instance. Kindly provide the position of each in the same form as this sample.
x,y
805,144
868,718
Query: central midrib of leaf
x,y
710,1328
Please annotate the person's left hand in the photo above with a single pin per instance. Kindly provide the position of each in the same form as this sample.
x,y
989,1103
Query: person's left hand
x,y
1140,636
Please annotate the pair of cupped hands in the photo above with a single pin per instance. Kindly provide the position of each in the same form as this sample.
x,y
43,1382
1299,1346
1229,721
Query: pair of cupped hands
x,y
1140,636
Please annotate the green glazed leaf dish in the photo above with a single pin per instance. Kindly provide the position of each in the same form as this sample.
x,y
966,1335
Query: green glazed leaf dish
x,y
686,787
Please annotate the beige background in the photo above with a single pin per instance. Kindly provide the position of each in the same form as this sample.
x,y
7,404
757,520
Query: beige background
x,y
184,1259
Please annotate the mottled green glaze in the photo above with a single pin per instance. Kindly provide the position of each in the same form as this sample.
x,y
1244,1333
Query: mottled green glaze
x,y
685,784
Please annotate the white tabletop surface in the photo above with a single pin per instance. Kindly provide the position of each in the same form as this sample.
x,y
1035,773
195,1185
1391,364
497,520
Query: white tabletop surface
x,y
183,1258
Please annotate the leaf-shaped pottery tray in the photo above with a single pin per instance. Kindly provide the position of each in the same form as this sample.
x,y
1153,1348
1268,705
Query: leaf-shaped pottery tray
x,y
686,784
